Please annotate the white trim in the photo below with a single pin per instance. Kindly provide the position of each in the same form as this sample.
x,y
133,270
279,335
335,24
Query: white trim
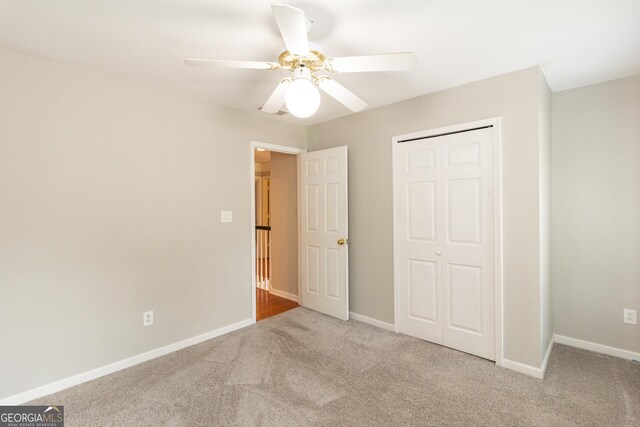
x,y
395,232
523,369
252,166
283,294
299,209
277,148
598,348
497,240
547,355
496,122
371,321
74,380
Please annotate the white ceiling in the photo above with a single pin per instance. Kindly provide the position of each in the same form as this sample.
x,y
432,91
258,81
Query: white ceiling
x,y
576,42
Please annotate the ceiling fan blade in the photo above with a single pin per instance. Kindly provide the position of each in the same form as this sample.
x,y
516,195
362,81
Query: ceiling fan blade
x,y
341,94
293,27
276,100
386,62
218,63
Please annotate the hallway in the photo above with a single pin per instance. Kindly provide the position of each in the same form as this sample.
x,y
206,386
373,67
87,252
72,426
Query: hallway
x,y
268,305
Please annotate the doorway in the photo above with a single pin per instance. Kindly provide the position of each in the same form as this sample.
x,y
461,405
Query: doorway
x,y
320,227
275,223
447,237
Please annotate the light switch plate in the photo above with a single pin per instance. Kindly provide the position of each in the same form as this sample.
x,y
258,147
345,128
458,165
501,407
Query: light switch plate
x,y
226,216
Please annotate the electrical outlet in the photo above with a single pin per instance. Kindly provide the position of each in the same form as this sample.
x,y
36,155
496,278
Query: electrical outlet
x,y
226,216
147,318
630,316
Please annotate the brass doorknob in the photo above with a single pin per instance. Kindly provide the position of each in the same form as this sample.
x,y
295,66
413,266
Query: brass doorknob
x,y
343,242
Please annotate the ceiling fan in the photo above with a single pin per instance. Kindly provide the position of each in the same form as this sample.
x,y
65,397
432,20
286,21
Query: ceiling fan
x,y
305,59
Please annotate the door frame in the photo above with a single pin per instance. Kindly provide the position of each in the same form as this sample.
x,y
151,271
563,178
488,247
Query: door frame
x,y
497,219
252,172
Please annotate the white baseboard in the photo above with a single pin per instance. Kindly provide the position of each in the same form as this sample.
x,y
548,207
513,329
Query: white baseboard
x,y
65,383
547,354
532,371
598,348
371,321
284,294
573,342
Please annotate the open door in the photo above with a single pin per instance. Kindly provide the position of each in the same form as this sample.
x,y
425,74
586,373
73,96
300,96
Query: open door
x,y
324,250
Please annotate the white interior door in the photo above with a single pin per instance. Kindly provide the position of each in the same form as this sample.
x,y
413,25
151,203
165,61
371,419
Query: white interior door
x,y
324,251
444,240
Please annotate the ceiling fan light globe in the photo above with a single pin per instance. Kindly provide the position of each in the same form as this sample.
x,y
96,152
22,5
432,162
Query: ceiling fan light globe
x,y
302,99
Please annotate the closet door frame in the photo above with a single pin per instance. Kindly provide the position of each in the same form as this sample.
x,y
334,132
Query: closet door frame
x,y
495,123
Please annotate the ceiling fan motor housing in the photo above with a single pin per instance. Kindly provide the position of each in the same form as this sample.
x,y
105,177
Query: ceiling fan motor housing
x,y
302,73
314,60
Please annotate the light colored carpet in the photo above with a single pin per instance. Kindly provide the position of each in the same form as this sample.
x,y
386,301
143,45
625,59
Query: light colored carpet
x,y
303,368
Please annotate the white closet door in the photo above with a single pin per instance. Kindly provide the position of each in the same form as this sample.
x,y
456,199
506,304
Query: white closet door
x,y
444,236
324,251
419,270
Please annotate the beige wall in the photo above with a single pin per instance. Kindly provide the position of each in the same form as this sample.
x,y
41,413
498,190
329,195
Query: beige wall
x,y
110,197
546,309
596,212
284,222
515,97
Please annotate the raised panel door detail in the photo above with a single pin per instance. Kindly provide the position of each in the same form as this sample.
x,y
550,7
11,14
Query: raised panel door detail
x,y
324,219
333,272
421,159
464,284
312,208
331,166
467,154
313,167
313,269
463,211
423,290
331,208
421,210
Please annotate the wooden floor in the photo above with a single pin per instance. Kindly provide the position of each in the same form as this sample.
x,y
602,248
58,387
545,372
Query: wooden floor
x,y
268,305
